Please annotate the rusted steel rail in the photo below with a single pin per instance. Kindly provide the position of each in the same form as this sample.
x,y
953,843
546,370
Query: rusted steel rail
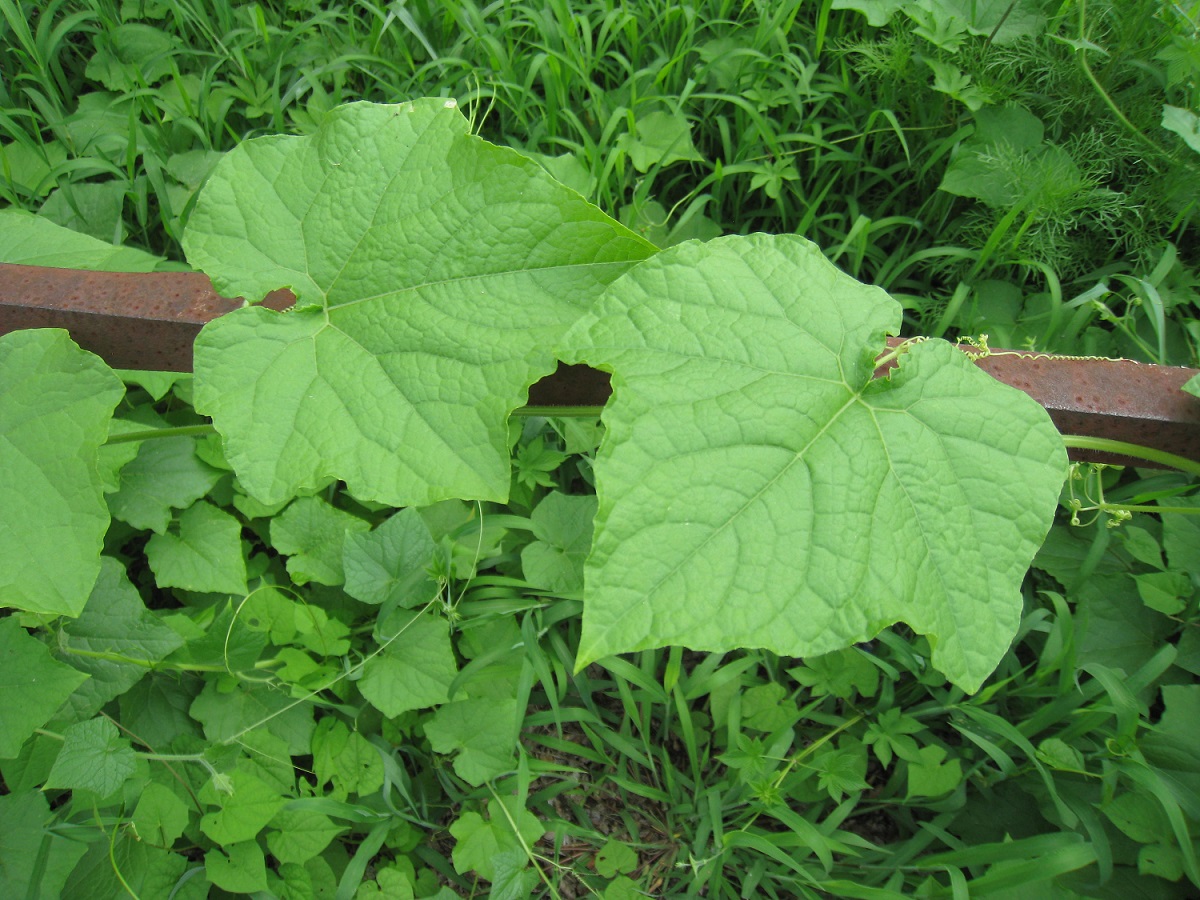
x,y
149,321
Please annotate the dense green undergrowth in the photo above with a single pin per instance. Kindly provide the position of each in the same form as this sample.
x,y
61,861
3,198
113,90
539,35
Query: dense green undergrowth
x,y
281,684
240,718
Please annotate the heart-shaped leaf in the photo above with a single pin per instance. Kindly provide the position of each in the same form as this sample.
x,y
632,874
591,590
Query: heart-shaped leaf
x,y
435,272
760,489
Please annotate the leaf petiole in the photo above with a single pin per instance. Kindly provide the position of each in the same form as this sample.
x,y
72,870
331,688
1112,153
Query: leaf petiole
x,y
152,433
560,412
1107,445
159,665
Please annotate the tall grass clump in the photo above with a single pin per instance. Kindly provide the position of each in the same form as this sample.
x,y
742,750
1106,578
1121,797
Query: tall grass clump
x,y
985,164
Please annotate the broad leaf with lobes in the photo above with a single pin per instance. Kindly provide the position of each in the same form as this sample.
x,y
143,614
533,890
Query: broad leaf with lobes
x,y
435,273
759,489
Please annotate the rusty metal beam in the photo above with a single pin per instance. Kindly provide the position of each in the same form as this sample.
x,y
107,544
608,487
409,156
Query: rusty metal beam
x,y
149,321
131,320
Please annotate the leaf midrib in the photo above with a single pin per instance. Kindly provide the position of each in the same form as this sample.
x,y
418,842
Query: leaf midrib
x,y
625,264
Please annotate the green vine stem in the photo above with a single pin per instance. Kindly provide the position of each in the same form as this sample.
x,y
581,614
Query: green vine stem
x,y
152,433
197,758
896,352
1107,445
1079,442
560,412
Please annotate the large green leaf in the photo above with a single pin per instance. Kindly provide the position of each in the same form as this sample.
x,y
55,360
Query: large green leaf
x,y
55,405
434,273
759,489
878,12
1002,21
33,683
115,640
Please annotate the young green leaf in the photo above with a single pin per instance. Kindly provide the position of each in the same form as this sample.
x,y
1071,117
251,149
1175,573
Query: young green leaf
x,y
1181,536
434,273
842,769
313,879
1114,626
156,710
387,565
345,759
1166,592
55,404
245,809
389,884
765,708
513,878
483,732
95,757
562,525
297,835
1172,748
615,857
415,669
268,760
659,138
622,888
227,715
227,641
166,475
892,733
312,534
161,816
842,673
479,841
238,868
933,775
761,490
206,556
1058,754
1184,123
148,871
